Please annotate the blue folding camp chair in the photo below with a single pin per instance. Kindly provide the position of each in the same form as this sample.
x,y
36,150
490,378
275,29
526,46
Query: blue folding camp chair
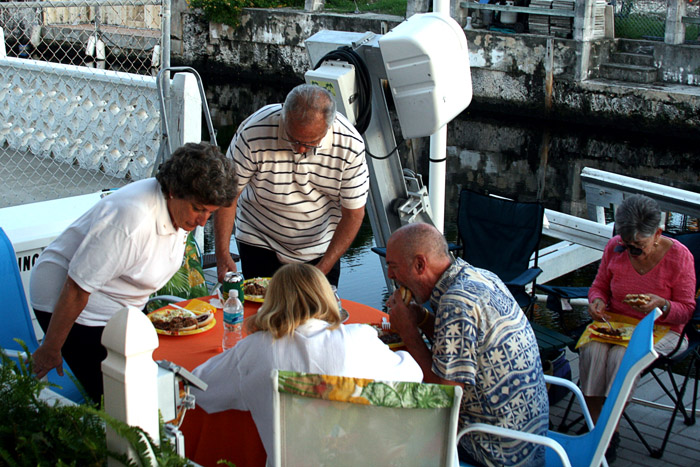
x,y
17,321
501,235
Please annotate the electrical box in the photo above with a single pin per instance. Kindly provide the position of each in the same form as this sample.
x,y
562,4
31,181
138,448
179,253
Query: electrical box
x,y
168,394
339,79
427,66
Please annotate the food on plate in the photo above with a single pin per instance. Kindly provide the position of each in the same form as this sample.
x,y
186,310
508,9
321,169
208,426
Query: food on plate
x,y
636,299
179,320
390,338
254,289
406,294
608,331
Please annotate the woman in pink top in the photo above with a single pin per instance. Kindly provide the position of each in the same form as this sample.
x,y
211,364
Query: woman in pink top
x,y
636,261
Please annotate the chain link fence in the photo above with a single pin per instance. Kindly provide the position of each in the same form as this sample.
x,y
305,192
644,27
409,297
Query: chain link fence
x,y
646,19
640,19
79,109
692,30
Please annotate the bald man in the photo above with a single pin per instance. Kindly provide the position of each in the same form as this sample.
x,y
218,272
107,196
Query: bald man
x,y
482,342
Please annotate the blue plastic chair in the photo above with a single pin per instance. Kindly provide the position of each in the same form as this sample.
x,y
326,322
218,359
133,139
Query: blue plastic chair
x,y
589,449
17,321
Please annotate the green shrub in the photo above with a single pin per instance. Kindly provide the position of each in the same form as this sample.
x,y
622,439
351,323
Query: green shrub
x,y
34,432
229,11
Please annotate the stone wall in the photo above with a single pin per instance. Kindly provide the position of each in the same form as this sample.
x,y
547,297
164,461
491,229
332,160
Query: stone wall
x,y
509,71
269,41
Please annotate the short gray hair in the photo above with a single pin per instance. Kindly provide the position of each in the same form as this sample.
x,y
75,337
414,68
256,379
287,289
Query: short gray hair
x,y
306,101
637,216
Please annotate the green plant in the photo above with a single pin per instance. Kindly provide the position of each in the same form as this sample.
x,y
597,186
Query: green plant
x,y
229,11
388,7
36,433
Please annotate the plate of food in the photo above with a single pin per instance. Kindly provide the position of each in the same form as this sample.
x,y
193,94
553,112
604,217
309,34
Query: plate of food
x,y
390,337
176,321
619,332
254,289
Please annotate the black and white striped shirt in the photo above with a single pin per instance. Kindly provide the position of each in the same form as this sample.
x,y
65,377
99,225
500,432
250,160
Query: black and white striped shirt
x,y
290,203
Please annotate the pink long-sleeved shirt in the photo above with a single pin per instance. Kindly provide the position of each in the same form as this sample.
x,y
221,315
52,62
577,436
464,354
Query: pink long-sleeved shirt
x,y
673,278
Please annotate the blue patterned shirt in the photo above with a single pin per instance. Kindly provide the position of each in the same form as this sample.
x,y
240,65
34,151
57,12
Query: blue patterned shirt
x,y
483,339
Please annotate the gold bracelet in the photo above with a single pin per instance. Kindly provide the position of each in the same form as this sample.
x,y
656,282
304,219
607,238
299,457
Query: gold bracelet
x,y
425,318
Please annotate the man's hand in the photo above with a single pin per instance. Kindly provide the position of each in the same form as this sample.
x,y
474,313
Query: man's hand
x,y
404,318
345,232
224,265
223,227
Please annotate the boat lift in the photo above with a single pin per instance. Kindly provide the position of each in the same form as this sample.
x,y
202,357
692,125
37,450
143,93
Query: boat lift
x,y
425,63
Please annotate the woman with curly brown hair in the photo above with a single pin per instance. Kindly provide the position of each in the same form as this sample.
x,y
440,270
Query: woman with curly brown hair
x,y
118,253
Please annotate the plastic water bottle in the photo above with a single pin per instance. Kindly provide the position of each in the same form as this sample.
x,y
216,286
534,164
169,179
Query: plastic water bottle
x,y
233,322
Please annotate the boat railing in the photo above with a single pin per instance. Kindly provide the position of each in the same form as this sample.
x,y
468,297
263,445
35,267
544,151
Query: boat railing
x,y
583,240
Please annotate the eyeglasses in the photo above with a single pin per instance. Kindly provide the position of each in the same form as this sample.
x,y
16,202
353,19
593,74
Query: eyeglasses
x,y
634,251
299,144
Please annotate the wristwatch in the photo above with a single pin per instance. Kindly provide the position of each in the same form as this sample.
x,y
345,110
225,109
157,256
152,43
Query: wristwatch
x,y
666,306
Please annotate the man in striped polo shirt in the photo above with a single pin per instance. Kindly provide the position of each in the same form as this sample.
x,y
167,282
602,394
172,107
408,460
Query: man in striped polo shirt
x,y
302,187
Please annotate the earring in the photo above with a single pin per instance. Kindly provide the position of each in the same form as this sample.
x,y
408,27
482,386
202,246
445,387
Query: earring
x,y
656,243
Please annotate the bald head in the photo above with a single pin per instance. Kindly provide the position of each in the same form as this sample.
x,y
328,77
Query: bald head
x,y
416,258
420,238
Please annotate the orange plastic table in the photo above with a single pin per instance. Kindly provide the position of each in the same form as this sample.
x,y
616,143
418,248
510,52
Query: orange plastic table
x,y
232,434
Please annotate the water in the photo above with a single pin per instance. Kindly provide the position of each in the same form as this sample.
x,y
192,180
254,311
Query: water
x,y
524,159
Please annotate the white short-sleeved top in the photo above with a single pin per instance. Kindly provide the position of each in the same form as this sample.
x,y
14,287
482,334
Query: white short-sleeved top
x,y
120,251
239,378
291,203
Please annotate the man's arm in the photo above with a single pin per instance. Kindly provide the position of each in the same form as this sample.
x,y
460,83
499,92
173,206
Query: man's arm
x,y
71,303
223,228
345,232
405,320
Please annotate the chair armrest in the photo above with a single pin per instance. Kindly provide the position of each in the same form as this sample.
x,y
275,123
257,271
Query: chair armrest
x,y
521,435
525,278
577,392
454,247
381,251
563,291
15,354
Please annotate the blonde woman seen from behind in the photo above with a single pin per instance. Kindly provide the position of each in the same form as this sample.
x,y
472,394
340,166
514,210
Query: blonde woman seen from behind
x,y
298,328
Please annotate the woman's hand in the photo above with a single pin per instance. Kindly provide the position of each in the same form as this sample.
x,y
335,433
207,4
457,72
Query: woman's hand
x,y
654,302
597,310
45,359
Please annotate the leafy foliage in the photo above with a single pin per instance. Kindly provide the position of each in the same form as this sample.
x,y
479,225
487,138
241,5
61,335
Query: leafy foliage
x,y
229,11
34,432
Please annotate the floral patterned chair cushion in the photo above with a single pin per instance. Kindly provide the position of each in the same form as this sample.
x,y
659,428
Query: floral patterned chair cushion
x,y
335,420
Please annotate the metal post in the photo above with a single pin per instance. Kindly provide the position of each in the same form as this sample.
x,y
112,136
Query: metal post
x,y
438,154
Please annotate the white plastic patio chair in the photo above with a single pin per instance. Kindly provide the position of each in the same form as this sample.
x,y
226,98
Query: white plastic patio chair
x,y
342,421
589,449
